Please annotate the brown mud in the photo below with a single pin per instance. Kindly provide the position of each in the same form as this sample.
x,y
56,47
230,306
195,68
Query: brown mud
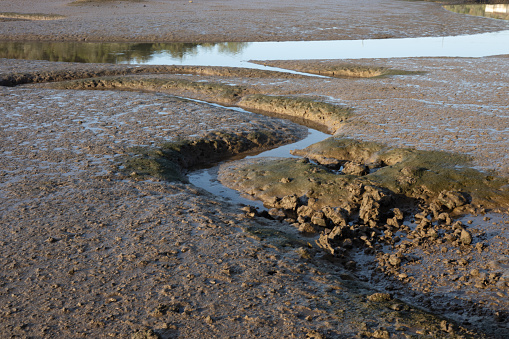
x,y
97,242
129,255
358,201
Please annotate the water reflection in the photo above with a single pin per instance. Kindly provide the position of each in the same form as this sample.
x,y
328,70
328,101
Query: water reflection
x,y
499,11
238,54
116,53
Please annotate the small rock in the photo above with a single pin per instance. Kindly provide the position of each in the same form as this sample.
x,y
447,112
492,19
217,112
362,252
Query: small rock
x,y
377,297
463,262
465,237
394,260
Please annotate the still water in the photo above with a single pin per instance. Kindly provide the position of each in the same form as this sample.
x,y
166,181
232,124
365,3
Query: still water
x,y
238,54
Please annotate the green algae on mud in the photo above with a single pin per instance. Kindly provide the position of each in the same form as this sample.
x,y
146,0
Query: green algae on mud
x,y
170,160
30,16
415,173
408,173
322,113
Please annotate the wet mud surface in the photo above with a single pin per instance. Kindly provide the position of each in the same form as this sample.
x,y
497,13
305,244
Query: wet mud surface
x,y
105,240
91,252
102,237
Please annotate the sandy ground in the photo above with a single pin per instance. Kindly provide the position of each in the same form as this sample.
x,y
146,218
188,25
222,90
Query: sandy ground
x,y
87,253
237,20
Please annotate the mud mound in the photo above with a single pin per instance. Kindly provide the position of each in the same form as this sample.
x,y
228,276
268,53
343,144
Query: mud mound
x,y
218,91
325,114
78,71
336,69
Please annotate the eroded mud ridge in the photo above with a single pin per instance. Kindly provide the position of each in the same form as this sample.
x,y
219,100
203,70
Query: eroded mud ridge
x,y
171,160
327,116
399,206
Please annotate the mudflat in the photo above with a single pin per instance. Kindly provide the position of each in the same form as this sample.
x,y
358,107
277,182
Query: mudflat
x,y
97,242
237,20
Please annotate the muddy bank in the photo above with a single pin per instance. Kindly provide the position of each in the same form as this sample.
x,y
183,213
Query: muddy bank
x,y
260,20
308,111
19,72
171,161
382,213
338,69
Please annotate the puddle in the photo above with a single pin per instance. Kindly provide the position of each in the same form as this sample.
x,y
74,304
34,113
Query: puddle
x,y
495,11
238,54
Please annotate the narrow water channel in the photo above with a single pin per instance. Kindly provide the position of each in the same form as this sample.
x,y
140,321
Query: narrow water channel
x,y
206,178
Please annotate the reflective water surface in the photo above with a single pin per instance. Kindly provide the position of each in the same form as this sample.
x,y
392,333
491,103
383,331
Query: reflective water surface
x,y
237,54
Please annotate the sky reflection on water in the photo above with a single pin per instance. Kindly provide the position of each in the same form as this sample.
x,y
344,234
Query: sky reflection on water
x,y
238,54
459,46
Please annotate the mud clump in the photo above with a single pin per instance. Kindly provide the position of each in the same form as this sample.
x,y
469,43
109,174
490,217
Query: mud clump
x,y
364,210
388,220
